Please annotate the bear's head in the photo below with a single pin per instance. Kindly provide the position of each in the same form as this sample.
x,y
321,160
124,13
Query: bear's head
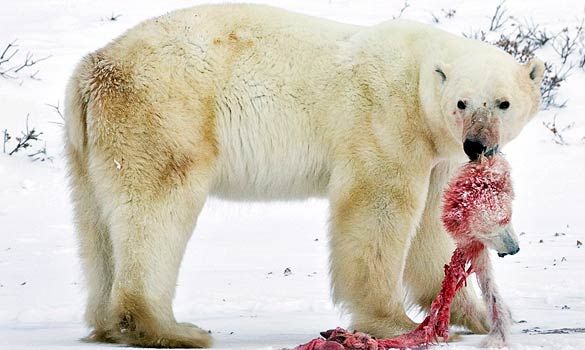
x,y
482,100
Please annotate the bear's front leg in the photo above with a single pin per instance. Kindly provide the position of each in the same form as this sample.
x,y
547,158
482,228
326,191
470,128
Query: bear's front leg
x,y
374,212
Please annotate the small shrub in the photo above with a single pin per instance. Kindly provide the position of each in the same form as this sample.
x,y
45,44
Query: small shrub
x,y
27,139
566,42
11,69
551,83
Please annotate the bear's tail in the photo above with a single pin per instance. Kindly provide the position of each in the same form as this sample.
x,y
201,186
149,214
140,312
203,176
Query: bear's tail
x,y
76,100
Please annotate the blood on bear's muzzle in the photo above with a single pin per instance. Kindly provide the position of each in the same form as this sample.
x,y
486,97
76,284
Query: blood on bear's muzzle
x,y
481,136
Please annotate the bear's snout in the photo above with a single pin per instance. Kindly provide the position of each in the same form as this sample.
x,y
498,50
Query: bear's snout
x,y
481,134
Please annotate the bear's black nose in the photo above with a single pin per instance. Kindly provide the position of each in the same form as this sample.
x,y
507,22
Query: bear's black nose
x,y
473,148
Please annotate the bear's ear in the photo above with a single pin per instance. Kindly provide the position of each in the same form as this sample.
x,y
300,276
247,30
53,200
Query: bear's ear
x,y
535,68
441,70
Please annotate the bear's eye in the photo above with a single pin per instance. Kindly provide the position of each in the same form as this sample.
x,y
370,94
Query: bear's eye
x,y
461,104
504,105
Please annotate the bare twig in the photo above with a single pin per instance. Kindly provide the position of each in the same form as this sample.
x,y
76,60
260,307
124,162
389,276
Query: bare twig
x,y
3,57
529,31
498,19
34,75
449,13
557,133
476,35
41,155
114,17
9,54
29,61
550,84
57,109
435,18
567,43
404,7
6,138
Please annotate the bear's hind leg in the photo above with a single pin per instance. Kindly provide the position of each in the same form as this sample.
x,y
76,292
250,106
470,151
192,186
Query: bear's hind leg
x,y
95,246
151,223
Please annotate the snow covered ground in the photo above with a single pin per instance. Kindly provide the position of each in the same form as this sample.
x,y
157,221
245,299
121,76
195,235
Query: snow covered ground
x,y
240,251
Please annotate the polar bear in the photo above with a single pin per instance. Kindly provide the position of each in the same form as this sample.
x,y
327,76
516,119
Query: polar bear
x,y
251,102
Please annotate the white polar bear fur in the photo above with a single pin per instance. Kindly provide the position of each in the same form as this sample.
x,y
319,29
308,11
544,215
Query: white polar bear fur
x,y
255,103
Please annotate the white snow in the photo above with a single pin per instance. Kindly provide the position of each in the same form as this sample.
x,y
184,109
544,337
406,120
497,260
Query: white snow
x,y
232,279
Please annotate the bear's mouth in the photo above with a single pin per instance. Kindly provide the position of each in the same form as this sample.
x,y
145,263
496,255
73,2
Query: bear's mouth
x,y
475,148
